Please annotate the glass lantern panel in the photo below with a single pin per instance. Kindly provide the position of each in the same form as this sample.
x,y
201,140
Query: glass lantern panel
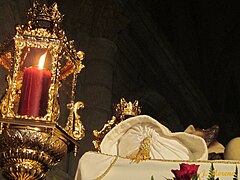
x,y
35,73
65,91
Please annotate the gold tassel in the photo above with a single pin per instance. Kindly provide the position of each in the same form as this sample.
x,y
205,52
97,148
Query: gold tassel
x,y
143,152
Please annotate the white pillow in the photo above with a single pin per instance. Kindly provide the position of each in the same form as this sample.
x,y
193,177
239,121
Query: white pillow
x,y
125,139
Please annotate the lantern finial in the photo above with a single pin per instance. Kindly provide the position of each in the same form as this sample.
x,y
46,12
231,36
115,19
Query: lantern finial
x,y
43,13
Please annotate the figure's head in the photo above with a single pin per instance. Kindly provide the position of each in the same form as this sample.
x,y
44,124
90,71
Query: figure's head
x,y
209,135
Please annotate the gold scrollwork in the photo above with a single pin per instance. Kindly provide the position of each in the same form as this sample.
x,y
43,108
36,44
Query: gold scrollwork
x,y
123,110
78,132
4,103
74,125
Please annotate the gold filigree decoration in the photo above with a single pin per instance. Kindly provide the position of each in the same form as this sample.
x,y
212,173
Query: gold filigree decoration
x,y
143,152
6,53
99,135
74,125
42,12
4,101
5,60
123,110
5,110
26,154
78,132
38,33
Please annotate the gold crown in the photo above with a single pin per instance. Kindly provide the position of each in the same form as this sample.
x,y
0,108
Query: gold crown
x,y
124,108
42,12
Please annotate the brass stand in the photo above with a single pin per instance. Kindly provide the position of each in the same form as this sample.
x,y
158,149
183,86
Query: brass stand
x,y
28,149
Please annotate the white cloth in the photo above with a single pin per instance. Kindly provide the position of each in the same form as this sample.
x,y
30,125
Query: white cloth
x,y
96,166
125,139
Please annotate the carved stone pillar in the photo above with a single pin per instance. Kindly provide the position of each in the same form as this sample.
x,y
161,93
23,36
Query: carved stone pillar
x,y
96,86
96,25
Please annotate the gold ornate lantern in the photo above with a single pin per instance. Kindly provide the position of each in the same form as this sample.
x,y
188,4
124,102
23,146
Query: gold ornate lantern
x,y
39,59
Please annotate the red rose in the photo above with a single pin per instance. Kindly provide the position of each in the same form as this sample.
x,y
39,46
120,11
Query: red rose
x,y
186,172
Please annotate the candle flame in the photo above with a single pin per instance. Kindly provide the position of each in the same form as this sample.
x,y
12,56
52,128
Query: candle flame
x,y
42,60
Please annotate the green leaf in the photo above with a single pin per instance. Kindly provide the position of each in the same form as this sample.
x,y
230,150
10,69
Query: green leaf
x,y
211,174
195,177
235,177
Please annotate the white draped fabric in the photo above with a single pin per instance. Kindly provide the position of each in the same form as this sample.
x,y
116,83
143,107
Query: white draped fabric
x,y
125,139
96,166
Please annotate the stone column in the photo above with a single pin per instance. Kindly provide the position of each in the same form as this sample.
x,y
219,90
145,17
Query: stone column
x,y
96,86
94,25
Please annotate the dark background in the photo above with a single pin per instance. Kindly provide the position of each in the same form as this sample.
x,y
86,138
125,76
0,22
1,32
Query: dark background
x,y
179,58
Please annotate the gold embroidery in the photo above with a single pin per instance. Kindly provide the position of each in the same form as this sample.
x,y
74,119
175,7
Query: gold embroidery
x,y
108,169
143,152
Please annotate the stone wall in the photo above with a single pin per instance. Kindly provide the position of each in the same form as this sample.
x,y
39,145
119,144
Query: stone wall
x,y
137,50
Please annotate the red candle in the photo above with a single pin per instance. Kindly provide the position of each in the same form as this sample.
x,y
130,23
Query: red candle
x,y
34,95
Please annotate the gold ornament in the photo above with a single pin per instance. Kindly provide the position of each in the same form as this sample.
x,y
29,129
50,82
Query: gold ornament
x,y
143,152
123,110
32,143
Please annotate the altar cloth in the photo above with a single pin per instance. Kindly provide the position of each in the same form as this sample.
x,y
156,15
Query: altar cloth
x,y
94,165
126,138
